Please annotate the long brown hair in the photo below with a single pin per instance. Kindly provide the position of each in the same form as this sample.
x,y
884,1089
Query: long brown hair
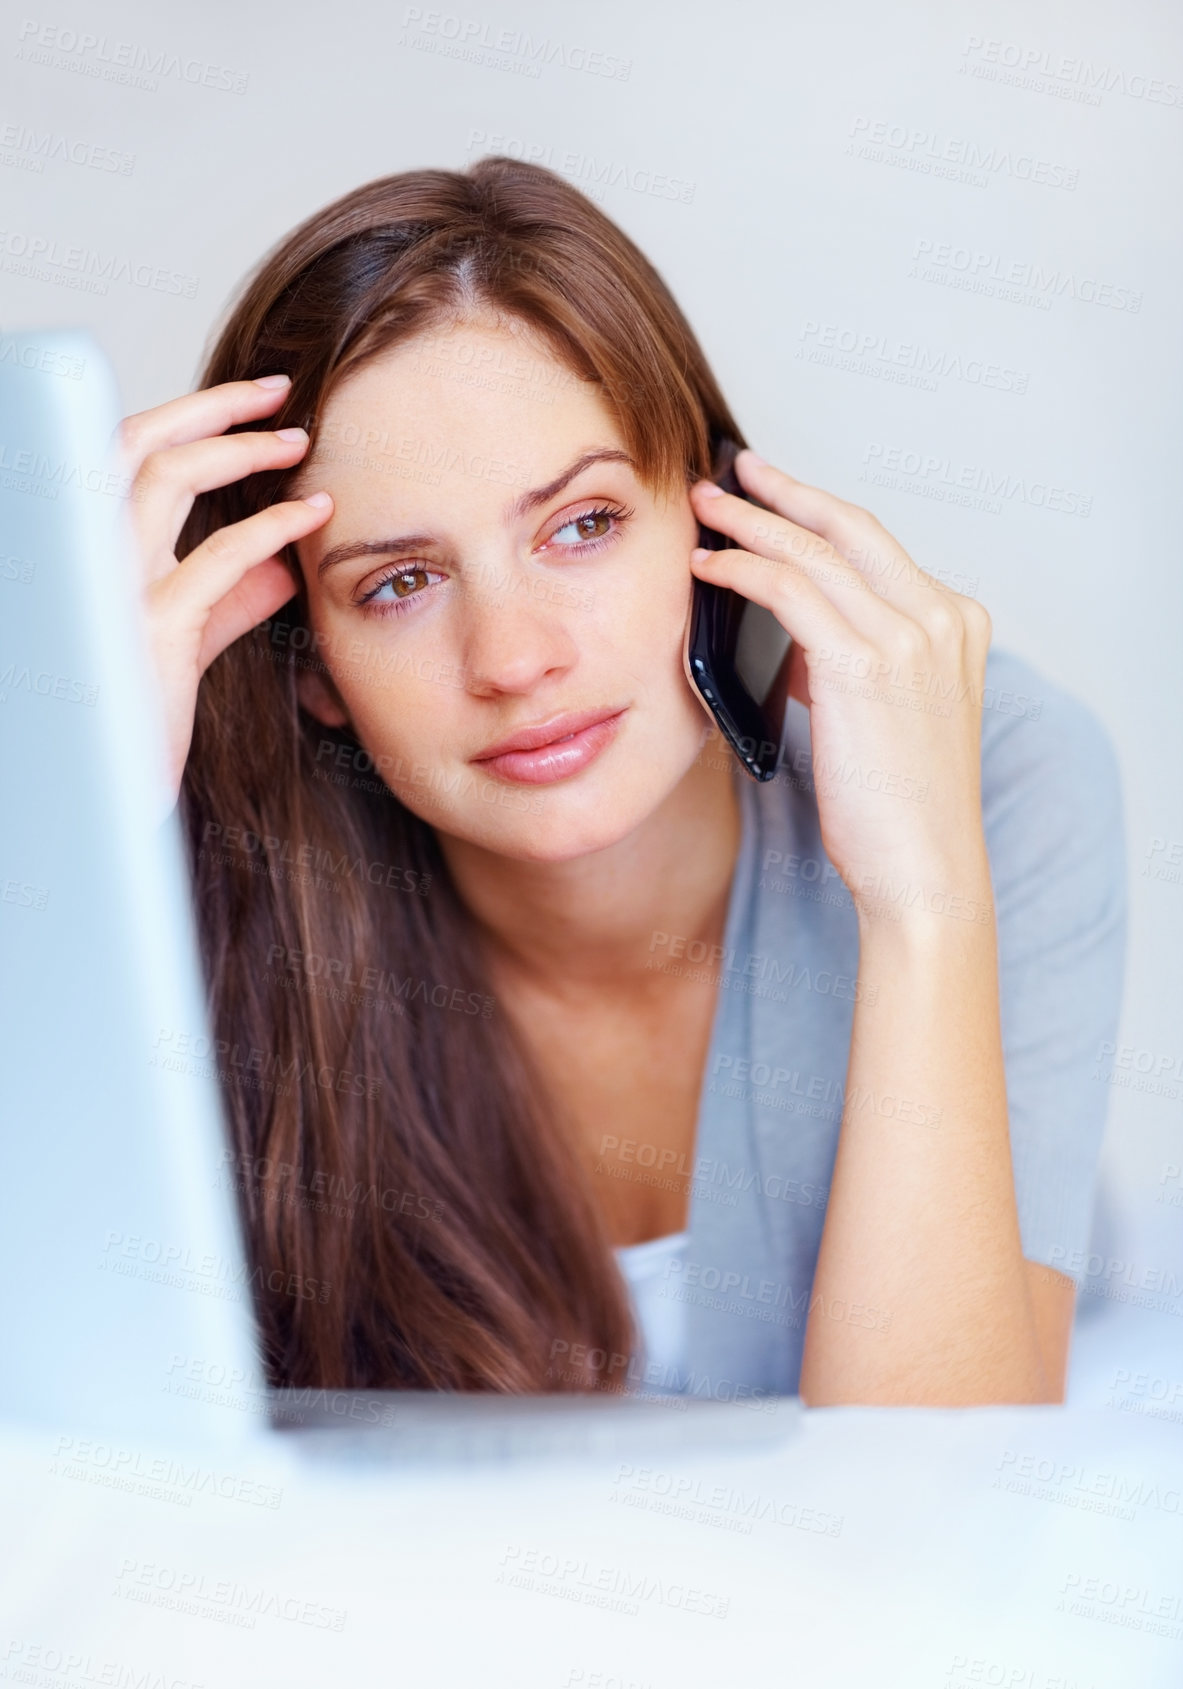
x,y
417,1214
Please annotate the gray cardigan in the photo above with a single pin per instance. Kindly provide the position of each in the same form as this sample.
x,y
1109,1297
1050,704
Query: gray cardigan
x,y
772,1097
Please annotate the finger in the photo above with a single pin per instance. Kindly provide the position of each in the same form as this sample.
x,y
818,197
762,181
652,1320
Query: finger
x,y
799,604
862,540
170,479
776,540
827,648
217,566
799,675
193,416
855,534
258,594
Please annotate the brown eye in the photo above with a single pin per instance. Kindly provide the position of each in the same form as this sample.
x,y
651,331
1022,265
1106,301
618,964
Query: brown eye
x,y
403,584
409,581
587,528
395,590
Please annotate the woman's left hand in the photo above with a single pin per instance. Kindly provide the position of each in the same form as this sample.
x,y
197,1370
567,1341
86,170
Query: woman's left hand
x,y
891,664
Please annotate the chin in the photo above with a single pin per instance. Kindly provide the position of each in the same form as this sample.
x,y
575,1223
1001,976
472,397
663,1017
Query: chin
x,y
563,839
569,824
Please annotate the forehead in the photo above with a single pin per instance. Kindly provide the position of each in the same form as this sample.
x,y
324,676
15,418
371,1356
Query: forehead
x,y
468,409
464,377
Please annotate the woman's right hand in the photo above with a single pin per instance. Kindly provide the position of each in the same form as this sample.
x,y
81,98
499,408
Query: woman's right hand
x,y
235,578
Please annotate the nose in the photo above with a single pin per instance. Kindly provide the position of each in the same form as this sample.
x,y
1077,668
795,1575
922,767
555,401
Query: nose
x,y
515,635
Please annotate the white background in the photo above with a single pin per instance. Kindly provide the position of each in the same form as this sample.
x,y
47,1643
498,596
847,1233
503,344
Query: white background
x,y
240,120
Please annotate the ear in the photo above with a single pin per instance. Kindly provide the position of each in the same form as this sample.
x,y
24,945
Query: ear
x,y
320,698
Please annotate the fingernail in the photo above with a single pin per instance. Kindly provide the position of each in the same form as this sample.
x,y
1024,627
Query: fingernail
x,y
754,457
708,489
318,501
699,554
291,433
273,381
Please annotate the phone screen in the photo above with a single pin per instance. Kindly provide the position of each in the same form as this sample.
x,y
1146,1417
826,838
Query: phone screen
x,y
760,647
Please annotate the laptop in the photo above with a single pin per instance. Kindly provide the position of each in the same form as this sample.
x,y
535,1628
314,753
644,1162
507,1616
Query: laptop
x,y
129,1297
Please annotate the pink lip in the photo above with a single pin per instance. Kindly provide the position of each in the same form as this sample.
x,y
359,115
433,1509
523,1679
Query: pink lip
x,y
553,750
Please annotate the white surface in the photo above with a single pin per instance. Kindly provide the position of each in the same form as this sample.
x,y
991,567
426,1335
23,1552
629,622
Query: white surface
x,y
938,1544
649,1269
959,1535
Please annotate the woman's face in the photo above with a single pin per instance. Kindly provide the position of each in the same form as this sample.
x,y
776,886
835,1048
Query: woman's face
x,y
494,566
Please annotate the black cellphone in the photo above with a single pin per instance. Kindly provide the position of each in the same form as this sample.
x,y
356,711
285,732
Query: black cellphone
x,y
735,653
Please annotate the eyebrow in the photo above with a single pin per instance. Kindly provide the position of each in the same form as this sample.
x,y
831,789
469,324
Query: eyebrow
x,y
521,506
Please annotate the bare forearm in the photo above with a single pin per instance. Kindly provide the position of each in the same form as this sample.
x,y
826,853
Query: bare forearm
x,y
921,1219
921,1222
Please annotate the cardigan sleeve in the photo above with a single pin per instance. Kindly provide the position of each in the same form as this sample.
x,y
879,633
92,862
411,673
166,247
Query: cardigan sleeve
x,y
1052,812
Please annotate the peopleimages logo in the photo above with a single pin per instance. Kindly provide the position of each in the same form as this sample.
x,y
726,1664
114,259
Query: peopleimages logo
x,y
31,148
1060,74
933,469
470,38
616,1588
126,62
909,361
340,972
48,360
47,259
1023,281
691,1496
728,967
53,475
186,1590
923,150
128,1467
592,173
28,1661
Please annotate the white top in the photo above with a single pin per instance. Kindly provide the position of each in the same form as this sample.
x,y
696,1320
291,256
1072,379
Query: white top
x,y
653,1271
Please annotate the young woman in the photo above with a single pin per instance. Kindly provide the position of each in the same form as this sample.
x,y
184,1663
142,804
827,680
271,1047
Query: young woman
x,y
563,1053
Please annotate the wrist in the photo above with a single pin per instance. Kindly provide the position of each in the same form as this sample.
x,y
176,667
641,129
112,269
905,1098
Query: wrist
x,y
956,888
936,905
